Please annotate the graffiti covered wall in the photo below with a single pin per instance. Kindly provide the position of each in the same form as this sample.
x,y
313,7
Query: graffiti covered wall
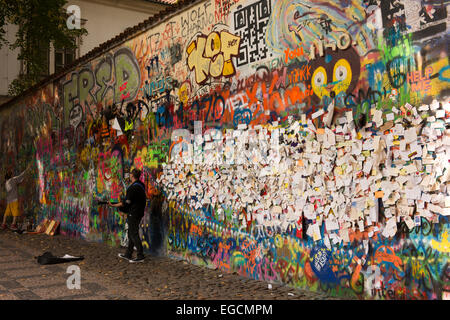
x,y
302,142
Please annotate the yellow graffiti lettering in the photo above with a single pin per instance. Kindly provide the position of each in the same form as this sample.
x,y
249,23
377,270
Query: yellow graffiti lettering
x,y
211,56
443,246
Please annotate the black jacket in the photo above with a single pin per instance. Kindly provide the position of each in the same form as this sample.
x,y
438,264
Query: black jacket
x,y
135,200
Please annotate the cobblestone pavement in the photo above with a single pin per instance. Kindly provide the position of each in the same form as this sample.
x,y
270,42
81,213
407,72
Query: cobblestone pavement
x,y
104,276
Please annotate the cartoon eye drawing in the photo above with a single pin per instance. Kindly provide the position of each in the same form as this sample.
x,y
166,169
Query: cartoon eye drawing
x,y
340,73
342,70
342,76
319,80
320,77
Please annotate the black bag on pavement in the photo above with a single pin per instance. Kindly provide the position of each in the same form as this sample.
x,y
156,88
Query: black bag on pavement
x,y
49,258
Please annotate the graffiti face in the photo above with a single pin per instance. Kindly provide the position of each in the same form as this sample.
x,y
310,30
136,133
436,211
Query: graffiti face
x,y
336,73
75,116
184,92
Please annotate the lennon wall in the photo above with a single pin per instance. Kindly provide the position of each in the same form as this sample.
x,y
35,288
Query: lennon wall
x,y
302,142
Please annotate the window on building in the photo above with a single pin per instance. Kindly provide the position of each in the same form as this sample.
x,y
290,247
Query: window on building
x,y
43,51
64,57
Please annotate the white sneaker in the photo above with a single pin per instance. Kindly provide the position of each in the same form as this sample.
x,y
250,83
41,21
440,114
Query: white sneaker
x,y
137,260
123,256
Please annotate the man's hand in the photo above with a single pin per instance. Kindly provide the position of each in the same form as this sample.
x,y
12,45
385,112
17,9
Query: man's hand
x,y
119,204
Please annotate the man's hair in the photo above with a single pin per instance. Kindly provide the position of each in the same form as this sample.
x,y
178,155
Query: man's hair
x,y
8,175
136,173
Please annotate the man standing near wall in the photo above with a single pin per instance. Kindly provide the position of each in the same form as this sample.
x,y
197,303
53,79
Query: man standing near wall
x,y
156,210
134,206
12,199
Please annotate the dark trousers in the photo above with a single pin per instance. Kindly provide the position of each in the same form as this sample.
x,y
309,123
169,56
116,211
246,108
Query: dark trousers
x,y
133,237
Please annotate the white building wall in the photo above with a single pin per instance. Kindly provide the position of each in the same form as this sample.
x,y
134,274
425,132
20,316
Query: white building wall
x,y
103,22
9,65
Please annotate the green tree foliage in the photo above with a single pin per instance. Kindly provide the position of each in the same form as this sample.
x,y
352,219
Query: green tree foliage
x,y
39,24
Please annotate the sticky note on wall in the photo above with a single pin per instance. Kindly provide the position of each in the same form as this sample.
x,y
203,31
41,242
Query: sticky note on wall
x,y
379,194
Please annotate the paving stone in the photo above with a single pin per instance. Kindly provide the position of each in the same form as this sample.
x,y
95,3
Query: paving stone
x,y
60,291
115,297
10,258
93,287
76,297
27,271
39,282
10,284
27,295
55,269
8,296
